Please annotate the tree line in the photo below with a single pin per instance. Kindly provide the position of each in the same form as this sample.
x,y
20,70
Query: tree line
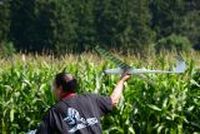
x,y
61,26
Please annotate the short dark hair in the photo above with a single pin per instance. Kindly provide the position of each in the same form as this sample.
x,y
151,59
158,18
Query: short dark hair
x,y
67,81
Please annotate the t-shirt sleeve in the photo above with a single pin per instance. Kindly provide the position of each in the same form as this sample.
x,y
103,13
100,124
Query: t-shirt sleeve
x,y
50,122
104,104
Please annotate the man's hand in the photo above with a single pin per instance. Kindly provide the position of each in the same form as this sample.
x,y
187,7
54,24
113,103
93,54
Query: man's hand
x,y
116,94
125,77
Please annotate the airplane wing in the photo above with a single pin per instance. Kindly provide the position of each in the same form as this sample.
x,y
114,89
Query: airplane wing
x,y
123,67
114,71
180,68
111,57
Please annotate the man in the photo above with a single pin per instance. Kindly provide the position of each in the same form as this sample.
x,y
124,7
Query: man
x,y
79,114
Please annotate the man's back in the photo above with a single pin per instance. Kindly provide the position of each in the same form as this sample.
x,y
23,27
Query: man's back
x,y
78,114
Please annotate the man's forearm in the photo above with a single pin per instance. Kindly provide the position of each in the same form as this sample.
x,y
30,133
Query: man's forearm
x,y
117,92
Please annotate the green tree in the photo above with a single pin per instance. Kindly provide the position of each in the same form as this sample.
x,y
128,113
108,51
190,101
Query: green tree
x,y
22,24
84,12
4,20
6,47
174,43
191,27
65,26
191,22
124,23
192,5
167,16
55,25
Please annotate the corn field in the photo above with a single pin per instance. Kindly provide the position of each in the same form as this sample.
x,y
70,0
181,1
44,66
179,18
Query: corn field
x,y
151,104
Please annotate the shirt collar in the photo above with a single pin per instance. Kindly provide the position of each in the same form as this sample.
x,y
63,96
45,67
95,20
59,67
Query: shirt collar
x,y
68,95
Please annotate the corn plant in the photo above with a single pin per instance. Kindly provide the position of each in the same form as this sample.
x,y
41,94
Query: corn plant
x,y
168,104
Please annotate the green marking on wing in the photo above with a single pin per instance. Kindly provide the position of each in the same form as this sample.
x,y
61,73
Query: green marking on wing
x,y
111,57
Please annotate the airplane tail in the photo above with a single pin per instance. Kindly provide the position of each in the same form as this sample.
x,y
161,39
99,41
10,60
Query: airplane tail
x,y
181,66
111,57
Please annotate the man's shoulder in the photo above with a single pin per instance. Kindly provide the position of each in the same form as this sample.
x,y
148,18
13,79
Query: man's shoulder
x,y
58,107
93,96
53,108
89,95
62,103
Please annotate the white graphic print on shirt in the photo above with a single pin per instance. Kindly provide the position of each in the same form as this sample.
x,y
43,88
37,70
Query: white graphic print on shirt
x,y
76,122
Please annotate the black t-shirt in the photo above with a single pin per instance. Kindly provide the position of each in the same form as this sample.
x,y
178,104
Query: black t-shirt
x,y
79,114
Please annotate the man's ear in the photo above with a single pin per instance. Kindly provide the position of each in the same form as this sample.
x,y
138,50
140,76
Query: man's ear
x,y
60,88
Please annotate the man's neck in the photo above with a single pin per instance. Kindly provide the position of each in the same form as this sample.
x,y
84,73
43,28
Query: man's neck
x,y
68,95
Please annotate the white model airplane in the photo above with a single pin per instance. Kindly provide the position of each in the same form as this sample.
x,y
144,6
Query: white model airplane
x,y
124,68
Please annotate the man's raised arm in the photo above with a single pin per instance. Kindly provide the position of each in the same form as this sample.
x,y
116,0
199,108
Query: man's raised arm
x,y
116,94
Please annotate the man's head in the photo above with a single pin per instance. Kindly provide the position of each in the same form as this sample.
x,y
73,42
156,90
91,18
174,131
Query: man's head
x,y
64,83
